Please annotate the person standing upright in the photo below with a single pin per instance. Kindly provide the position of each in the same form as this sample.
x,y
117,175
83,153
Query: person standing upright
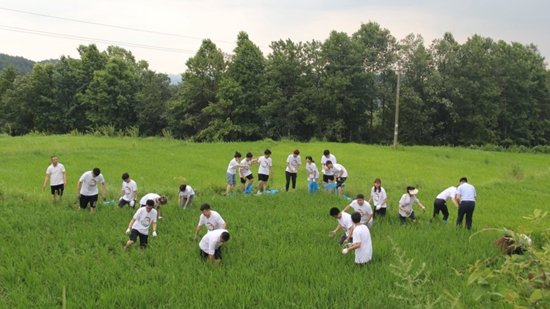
x,y
328,177
265,170
293,162
466,194
58,178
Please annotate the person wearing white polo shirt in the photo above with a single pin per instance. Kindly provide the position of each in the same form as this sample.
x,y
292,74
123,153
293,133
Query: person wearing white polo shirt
x,y
211,243
344,223
440,203
466,194
328,177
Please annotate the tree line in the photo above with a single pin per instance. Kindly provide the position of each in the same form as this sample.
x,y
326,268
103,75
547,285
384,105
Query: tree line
x,y
343,89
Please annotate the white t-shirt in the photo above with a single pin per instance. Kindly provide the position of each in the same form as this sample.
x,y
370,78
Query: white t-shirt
x,y
245,171
265,164
129,188
365,210
215,221
211,241
361,234
149,196
89,183
187,193
448,193
293,162
345,221
56,174
312,170
324,159
144,220
378,197
337,168
232,167
407,202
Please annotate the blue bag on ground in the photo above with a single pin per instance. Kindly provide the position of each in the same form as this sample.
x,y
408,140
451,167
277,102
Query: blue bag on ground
x,y
248,189
312,187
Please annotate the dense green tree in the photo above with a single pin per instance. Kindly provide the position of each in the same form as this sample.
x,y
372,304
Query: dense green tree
x,y
201,83
152,103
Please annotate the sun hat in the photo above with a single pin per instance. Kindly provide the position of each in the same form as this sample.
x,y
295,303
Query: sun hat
x,y
412,190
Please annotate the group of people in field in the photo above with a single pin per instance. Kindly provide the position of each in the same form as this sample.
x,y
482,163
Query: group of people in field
x,y
149,209
356,226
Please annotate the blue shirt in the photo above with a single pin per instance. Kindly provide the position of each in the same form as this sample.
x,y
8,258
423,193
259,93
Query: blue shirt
x,y
467,192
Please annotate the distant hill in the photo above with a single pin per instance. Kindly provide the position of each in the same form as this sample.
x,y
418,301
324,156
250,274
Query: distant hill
x,y
174,78
22,65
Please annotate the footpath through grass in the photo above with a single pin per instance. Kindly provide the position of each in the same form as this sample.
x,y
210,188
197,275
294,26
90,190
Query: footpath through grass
x,y
279,255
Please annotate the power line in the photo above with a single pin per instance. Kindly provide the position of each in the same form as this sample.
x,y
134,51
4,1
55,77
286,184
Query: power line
x,y
72,37
113,26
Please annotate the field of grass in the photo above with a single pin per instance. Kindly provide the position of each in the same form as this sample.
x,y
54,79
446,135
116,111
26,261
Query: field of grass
x,y
279,254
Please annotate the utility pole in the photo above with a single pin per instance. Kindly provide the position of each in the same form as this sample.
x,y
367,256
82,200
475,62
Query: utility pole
x,y
396,110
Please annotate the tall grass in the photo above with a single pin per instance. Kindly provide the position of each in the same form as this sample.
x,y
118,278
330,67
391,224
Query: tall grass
x,y
279,255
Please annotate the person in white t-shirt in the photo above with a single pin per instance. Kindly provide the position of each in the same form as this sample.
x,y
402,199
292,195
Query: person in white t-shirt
x,y
293,162
245,173
140,223
265,170
210,219
157,199
406,205
312,173
211,243
185,196
362,242
340,174
379,198
58,178
129,192
232,172
87,188
440,203
363,207
328,177
344,223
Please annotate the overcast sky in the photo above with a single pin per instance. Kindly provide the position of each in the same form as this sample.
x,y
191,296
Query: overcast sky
x,y
265,21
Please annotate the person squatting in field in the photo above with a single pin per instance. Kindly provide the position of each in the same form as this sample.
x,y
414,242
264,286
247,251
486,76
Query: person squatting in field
x,y
344,223
211,245
362,207
265,170
185,196
140,223
210,219
406,205
58,179
157,200
379,198
129,192
293,162
87,188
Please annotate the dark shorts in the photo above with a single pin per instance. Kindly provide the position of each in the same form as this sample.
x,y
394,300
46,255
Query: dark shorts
x,y
327,178
263,177
124,202
217,254
142,238
404,219
58,189
340,182
249,177
184,200
88,199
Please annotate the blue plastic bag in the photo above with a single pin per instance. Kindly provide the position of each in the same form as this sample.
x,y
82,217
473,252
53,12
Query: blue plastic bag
x,y
312,187
248,189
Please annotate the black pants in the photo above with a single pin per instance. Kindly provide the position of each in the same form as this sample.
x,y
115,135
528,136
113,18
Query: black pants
x,y
466,208
293,176
379,212
441,205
